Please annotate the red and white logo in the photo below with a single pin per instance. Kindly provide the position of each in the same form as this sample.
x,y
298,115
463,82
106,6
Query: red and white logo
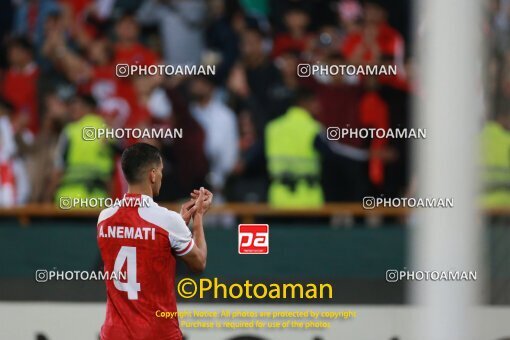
x,y
253,239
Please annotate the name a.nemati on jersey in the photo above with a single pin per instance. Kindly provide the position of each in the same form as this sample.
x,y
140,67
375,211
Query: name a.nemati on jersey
x,y
135,233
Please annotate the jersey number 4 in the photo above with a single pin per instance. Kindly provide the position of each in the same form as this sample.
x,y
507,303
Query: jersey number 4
x,y
131,286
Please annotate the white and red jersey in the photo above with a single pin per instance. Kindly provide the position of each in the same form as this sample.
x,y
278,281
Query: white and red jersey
x,y
142,242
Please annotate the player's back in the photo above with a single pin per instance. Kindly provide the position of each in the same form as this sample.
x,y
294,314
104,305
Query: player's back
x,y
141,242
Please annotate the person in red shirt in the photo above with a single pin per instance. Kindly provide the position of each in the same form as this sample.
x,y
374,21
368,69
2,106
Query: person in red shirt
x,y
374,39
296,37
128,49
103,81
143,241
19,86
374,113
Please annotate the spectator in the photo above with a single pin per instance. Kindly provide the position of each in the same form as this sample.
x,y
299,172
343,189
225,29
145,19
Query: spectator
x,y
83,168
223,35
374,113
84,14
6,20
95,74
31,16
296,37
19,85
8,151
40,153
100,78
250,180
396,166
180,24
128,49
13,175
221,131
344,179
55,44
186,164
292,161
325,43
376,38
321,12
256,83
287,64
349,13
151,102
153,98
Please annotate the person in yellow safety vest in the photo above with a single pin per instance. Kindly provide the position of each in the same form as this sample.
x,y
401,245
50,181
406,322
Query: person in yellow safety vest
x,y
495,139
293,148
292,160
84,164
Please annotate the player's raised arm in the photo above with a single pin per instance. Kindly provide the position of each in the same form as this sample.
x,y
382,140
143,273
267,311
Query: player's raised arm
x,y
196,259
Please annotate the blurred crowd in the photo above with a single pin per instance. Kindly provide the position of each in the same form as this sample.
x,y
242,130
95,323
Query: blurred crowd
x,y
253,132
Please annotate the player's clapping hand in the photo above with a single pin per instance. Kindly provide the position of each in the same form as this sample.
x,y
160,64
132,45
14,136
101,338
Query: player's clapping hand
x,y
187,210
203,200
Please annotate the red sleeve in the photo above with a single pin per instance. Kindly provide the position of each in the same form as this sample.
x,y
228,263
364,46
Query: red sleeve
x,y
375,114
349,45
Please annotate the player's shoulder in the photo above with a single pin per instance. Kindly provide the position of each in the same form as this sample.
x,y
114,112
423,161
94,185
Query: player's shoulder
x,y
160,216
157,210
107,213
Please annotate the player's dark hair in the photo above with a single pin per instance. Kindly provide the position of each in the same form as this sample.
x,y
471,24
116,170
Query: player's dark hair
x,y
137,159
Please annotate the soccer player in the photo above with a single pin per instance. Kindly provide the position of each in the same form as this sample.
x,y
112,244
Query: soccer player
x,y
143,240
